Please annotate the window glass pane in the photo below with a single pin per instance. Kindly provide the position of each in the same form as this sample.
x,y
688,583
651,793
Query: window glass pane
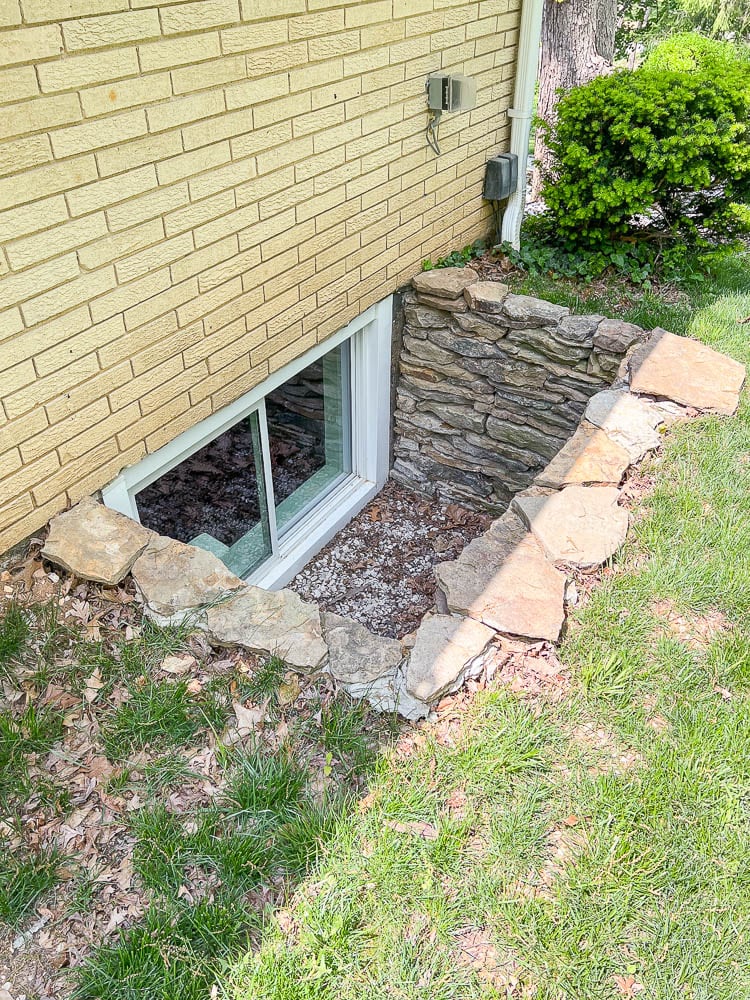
x,y
309,431
216,499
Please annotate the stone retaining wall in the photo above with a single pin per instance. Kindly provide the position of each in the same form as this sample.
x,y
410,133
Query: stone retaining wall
x,y
491,385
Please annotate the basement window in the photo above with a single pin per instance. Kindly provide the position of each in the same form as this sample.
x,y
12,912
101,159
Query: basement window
x,y
267,481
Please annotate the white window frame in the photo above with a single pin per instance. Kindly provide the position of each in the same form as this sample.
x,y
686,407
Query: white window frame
x,y
370,362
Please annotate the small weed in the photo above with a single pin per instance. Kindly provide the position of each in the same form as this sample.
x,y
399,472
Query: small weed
x,y
457,258
176,952
23,881
166,773
344,732
159,715
265,786
263,684
14,633
301,841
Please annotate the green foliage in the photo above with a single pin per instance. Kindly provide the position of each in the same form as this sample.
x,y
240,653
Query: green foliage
x,y
659,149
642,24
266,785
159,715
34,731
457,258
23,880
14,631
175,953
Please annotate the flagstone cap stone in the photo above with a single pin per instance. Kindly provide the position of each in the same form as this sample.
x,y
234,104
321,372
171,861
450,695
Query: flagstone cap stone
x,y
445,282
581,525
630,421
358,656
527,311
276,622
590,456
446,652
686,371
486,296
95,543
504,580
174,578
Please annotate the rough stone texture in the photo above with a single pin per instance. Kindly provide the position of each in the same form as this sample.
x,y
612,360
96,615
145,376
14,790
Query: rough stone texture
x,y
590,456
95,543
445,282
687,372
629,421
580,525
615,337
447,305
486,296
174,578
277,622
488,396
504,580
446,652
524,310
357,656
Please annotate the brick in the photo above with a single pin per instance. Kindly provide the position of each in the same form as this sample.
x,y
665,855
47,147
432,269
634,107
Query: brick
x,y
166,347
254,36
111,29
176,426
9,461
254,92
119,245
223,127
147,206
38,115
177,168
126,296
179,51
256,10
236,264
60,10
198,16
97,133
134,341
82,445
26,45
162,303
17,83
127,155
16,288
83,70
228,176
31,218
203,75
104,193
86,395
198,213
20,154
73,473
51,242
67,296
201,261
126,94
78,347
273,60
156,256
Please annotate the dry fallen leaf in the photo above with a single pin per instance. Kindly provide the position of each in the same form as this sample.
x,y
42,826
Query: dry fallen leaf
x,y
627,986
177,665
94,684
248,719
425,830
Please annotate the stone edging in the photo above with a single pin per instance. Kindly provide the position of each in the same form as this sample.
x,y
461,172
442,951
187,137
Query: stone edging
x,y
511,581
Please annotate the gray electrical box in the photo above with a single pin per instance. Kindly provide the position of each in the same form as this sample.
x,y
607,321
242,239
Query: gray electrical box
x,y
451,92
501,179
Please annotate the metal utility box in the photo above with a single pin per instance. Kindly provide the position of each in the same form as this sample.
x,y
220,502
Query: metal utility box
x,y
501,179
451,92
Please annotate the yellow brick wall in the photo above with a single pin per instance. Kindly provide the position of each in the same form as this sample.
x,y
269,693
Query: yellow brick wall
x,y
192,193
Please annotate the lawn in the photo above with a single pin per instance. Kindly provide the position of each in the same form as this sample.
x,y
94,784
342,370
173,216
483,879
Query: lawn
x,y
581,831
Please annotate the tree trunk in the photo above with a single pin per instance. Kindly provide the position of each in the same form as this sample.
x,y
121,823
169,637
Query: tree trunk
x,y
578,41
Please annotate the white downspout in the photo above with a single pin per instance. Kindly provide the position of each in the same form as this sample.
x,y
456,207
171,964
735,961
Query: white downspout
x,y
527,69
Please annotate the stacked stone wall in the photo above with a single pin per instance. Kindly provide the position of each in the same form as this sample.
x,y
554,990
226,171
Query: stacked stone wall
x,y
491,385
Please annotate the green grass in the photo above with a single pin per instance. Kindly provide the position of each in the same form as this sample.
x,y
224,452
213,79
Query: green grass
x,y
14,632
604,836
160,715
32,731
23,881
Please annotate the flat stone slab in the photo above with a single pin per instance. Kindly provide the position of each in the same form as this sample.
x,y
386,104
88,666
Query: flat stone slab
x,y
580,525
687,371
95,543
357,656
504,580
590,456
457,305
626,419
273,622
486,296
444,282
447,650
174,578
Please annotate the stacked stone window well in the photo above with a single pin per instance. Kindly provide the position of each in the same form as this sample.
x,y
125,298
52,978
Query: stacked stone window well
x,y
491,385
504,401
